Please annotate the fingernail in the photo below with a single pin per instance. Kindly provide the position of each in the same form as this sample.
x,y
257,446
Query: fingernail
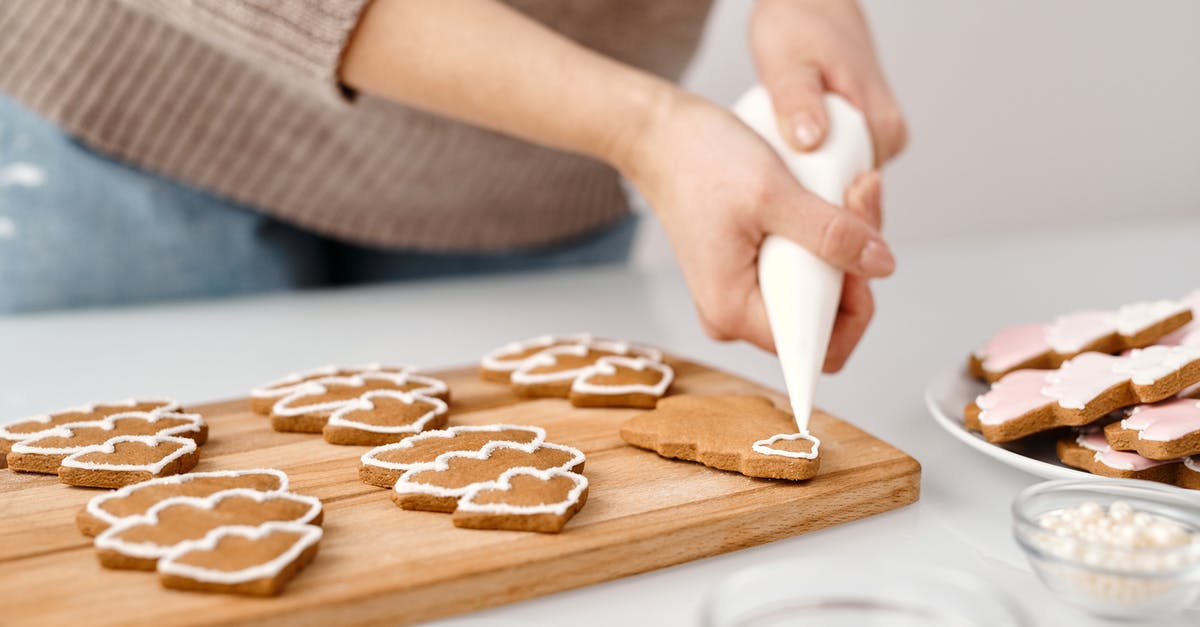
x,y
876,259
806,130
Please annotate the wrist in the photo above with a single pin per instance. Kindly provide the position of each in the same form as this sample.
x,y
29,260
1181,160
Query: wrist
x,y
637,121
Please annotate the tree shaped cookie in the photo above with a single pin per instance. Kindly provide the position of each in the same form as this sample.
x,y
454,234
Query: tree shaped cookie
x,y
1167,430
128,459
134,500
744,434
383,416
622,382
1082,390
137,542
257,561
34,426
262,398
45,452
383,465
552,371
309,407
510,476
1047,346
500,363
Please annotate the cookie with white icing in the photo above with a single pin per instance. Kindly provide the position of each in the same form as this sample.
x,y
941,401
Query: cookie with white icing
x,y
1080,391
310,405
552,372
523,499
34,426
1090,451
266,395
138,542
255,561
383,465
107,509
499,364
384,416
744,434
622,382
129,459
1166,430
1047,346
45,452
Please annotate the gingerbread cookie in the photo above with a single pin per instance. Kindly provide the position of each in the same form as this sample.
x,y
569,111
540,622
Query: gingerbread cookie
x,y
523,499
1189,473
1045,346
308,408
137,542
34,426
383,416
134,500
1082,390
551,372
1188,334
744,434
255,561
1167,430
500,363
45,452
128,459
262,398
383,465
622,382
1090,451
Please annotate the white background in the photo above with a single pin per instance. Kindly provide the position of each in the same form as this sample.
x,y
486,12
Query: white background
x,y
1023,113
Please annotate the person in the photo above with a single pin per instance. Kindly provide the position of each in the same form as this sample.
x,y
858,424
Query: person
x,y
159,149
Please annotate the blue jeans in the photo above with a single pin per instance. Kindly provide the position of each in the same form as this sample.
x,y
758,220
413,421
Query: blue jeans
x,y
78,229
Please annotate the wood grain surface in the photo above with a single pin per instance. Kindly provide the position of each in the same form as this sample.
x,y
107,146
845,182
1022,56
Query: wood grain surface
x,y
381,565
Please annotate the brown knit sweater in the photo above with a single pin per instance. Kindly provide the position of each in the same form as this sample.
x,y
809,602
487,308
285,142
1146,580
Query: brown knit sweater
x,y
240,97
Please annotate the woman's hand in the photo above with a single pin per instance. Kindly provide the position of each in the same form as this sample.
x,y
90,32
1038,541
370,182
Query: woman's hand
x,y
719,190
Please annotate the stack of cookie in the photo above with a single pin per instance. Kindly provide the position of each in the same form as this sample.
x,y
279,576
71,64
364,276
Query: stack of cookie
x,y
365,405
106,445
1129,413
591,372
237,531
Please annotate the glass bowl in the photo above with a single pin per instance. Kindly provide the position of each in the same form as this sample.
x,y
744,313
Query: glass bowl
x,y
858,593
1107,580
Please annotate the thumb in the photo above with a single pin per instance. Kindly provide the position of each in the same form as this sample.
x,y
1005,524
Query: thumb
x,y
799,100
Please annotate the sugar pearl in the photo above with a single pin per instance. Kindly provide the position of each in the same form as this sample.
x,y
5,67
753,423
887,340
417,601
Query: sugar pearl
x,y
1112,537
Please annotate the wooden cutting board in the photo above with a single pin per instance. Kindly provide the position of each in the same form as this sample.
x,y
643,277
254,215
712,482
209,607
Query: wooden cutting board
x,y
380,564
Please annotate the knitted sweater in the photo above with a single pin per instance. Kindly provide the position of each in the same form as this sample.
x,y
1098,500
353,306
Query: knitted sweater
x,y
240,97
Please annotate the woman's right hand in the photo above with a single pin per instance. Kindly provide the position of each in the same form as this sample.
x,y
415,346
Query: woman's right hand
x,y
719,190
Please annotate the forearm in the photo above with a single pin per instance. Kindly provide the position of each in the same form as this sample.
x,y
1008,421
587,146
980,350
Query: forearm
x,y
484,63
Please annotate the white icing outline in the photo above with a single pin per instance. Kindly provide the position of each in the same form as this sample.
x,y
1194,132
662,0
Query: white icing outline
x,y
404,485
608,366
549,357
169,405
504,483
363,403
95,506
763,447
148,550
432,387
186,447
288,383
29,446
495,361
309,535
370,457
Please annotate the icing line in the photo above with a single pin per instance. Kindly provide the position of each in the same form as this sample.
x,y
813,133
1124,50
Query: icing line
x,y
495,360
504,483
95,506
549,357
169,564
109,447
363,403
107,424
608,366
284,406
286,384
370,457
405,485
168,406
763,447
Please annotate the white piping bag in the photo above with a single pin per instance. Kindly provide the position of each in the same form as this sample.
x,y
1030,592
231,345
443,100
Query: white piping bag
x,y
800,290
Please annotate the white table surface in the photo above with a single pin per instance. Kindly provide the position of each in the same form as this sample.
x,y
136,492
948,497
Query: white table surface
x,y
945,299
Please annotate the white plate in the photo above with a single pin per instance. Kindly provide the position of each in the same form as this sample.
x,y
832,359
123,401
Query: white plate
x,y
946,396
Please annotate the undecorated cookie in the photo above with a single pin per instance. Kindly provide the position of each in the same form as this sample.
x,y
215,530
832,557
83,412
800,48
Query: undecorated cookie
x,y
34,426
110,508
744,434
384,416
383,465
523,499
262,398
1081,391
257,561
308,408
46,452
128,459
1167,430
622,382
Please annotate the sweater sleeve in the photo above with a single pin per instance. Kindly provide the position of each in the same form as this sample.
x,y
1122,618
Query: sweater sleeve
x,y
296,41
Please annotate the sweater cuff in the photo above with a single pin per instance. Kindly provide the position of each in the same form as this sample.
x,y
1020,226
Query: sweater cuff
x,y
297,41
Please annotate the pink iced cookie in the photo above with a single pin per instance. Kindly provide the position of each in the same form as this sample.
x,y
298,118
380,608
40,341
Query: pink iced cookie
x,y
1163,431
